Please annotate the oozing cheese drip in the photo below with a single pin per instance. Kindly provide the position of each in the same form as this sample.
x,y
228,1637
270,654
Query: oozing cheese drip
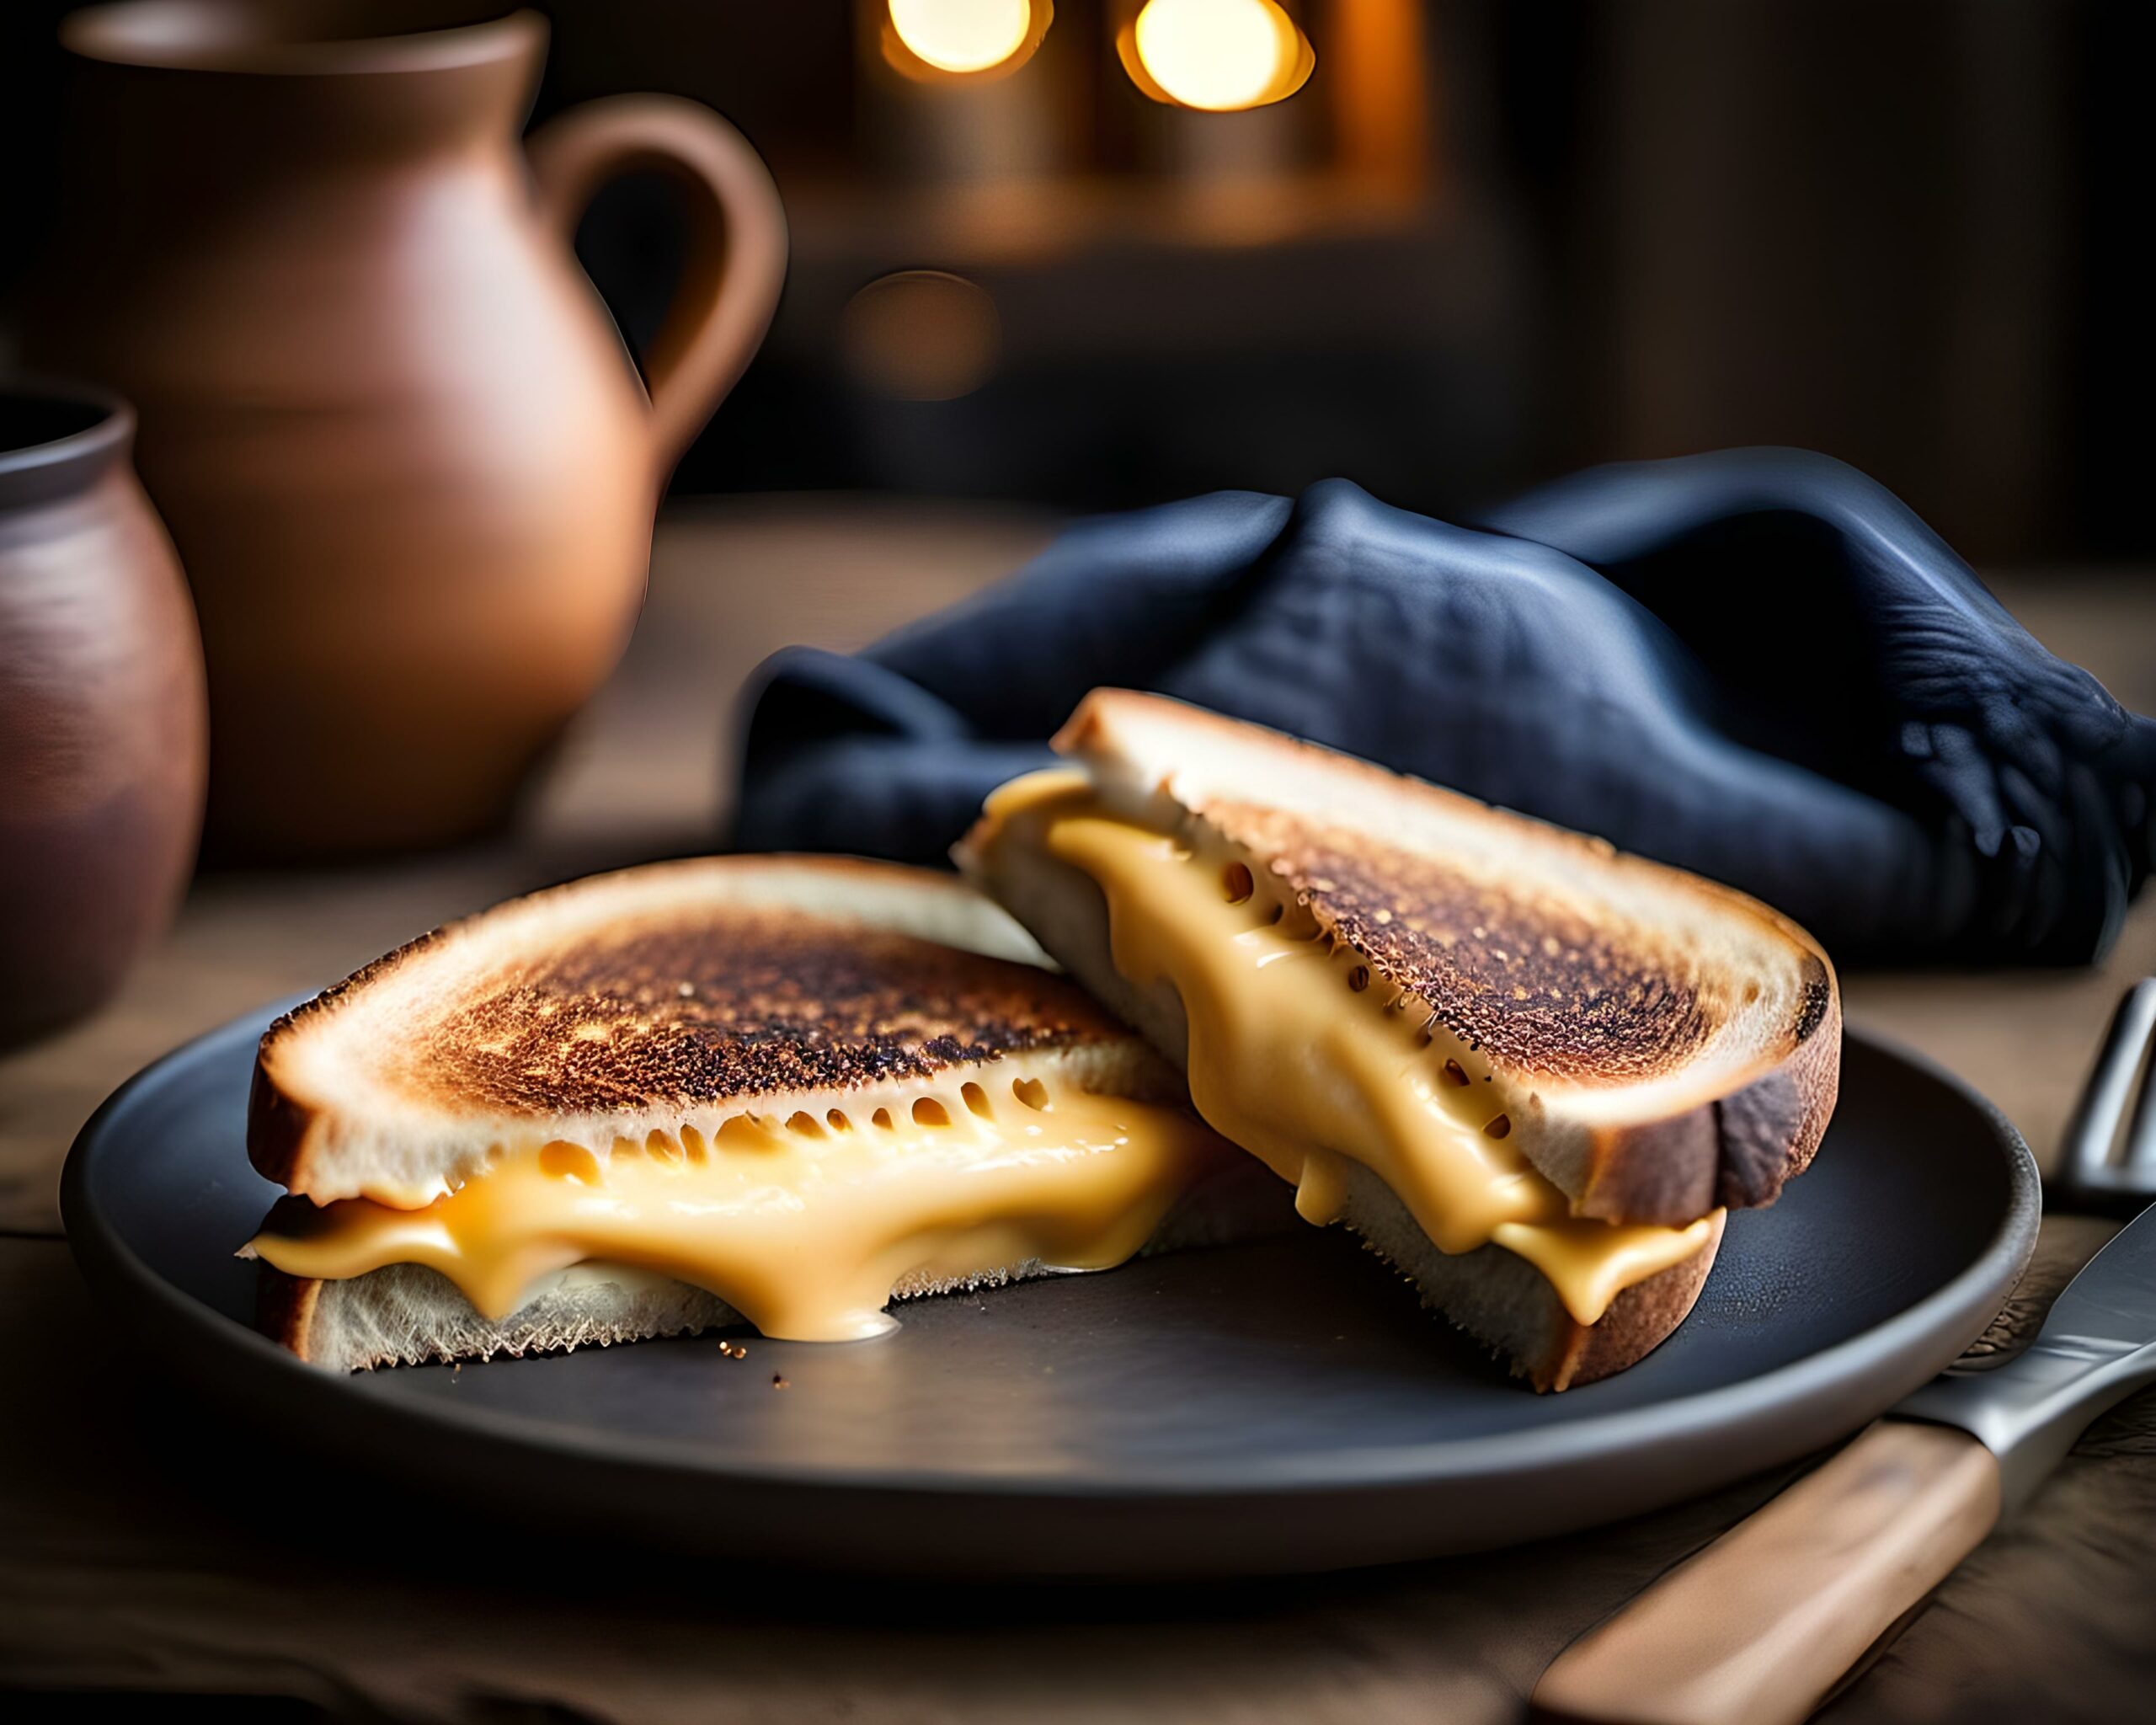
x,y
1286,1061
804,1226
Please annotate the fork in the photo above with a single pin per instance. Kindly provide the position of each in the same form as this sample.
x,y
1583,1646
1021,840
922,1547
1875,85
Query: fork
x,y
2101,1170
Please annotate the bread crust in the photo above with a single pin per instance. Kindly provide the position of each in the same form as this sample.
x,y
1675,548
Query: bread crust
x,y
284,1310
1507,1305
1639,1321
1733,1138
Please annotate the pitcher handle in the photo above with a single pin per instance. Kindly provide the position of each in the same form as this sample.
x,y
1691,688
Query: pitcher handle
x,y
736,260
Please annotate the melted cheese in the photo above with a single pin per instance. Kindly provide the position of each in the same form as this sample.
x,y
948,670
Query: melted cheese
x,y
1296,1055
805,1225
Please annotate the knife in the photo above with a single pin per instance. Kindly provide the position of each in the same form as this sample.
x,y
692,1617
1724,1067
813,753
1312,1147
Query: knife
x,y
1761,1624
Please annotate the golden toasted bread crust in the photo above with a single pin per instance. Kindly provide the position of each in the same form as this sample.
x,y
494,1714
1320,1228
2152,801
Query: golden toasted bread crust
x,y
1518,974
683,1006
1738,1151
730,1003
283,1309
1639,1321
1521,975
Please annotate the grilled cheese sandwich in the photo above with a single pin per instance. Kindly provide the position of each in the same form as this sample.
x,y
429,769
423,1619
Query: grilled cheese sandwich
x,y
762,1090
1297,1054
1462,1033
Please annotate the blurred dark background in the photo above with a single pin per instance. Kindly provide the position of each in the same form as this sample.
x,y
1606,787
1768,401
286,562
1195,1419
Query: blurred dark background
x,y
1487,241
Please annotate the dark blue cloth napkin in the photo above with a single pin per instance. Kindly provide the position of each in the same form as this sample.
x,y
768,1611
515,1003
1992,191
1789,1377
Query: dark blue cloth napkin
x,y
1757,664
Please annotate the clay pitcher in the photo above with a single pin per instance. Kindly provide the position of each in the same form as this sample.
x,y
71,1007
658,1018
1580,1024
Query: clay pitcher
x,y
408,465
102,731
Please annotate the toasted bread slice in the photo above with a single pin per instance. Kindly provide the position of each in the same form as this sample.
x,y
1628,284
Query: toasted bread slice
x,y
762,1039
1657,1048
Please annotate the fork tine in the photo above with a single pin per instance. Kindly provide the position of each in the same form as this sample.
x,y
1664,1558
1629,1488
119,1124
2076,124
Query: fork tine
x,y
2086,1157
2137,1165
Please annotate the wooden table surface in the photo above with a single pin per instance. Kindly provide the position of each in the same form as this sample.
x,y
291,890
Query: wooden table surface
x,y
142,1549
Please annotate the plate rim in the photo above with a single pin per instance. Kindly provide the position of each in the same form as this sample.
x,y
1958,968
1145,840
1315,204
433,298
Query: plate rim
x,y
107,1258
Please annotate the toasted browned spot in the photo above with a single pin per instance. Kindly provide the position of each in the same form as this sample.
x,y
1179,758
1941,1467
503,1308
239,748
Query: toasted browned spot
x,y
736,1002
1532,980
1812,1011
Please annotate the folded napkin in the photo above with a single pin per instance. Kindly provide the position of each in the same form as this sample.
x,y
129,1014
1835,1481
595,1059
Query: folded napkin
x,y
1757,664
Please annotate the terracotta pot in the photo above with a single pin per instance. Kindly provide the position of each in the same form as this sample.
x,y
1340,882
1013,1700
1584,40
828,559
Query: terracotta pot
x,y
103,736
407,460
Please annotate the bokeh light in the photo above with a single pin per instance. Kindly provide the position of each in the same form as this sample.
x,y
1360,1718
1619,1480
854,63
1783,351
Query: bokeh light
x,y
1217,55
963,36
921,335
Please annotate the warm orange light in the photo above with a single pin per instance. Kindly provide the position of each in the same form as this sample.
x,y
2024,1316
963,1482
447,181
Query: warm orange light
x,y
963,35
1217,55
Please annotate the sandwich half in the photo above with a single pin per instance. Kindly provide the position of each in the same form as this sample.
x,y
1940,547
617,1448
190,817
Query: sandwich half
x,y
1530,1072
780,1090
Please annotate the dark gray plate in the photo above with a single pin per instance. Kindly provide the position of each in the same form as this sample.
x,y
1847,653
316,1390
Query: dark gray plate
x,y
1273,1406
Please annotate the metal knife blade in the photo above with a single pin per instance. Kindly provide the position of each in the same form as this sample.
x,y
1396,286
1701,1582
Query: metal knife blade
x,y
2096,1347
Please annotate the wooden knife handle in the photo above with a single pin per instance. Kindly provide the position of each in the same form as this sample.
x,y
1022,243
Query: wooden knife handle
x,y
1758,1627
